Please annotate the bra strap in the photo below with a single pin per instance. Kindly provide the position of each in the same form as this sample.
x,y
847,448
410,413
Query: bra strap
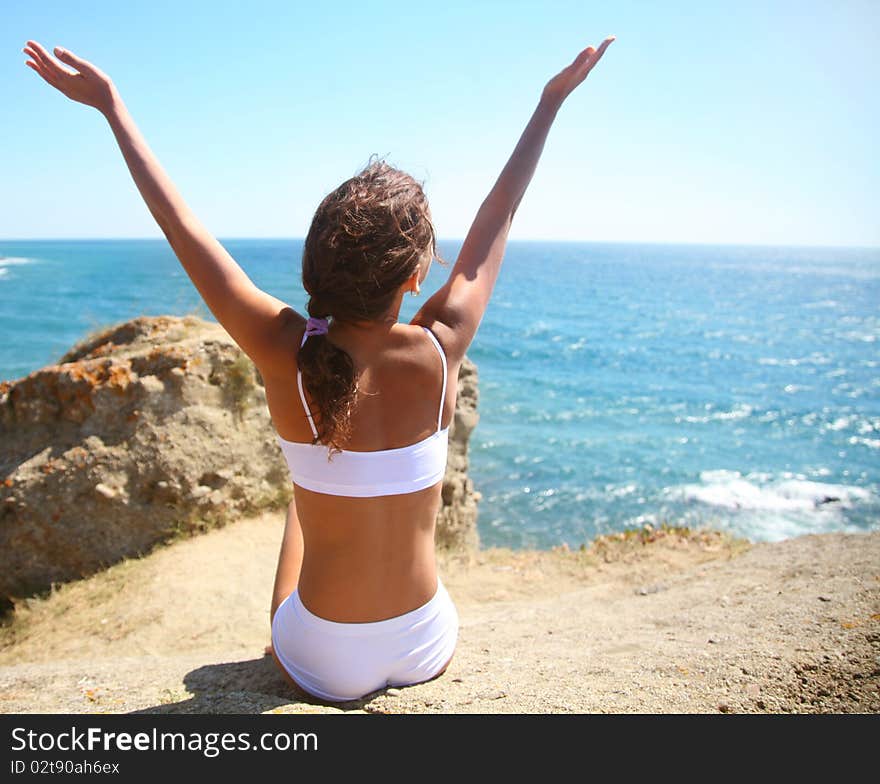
x,y
299,383
443,358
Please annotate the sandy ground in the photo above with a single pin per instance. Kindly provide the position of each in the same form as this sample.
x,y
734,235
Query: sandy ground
x,y
683,623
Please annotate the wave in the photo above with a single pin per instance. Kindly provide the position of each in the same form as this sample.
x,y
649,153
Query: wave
x,y
813,359
739,411
9,261
730,490
766,509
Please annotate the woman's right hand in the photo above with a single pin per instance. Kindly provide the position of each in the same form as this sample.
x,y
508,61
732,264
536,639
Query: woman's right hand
x,y
561,85
88,85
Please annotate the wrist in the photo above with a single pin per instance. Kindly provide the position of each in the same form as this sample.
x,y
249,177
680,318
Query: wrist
x,y
113,105
550,102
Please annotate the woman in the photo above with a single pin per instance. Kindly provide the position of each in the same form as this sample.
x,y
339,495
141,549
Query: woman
x,y
361,403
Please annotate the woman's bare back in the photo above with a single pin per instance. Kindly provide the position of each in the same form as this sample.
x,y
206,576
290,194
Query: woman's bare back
x,y
367,559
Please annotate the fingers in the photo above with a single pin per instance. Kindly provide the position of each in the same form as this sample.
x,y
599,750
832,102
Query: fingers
x,y
42,57
37,52
591,55
78,63
583,56
604,45
37,65
33,67
595,54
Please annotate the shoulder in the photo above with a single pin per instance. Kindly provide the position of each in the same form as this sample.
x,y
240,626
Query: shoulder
x,y
444,334
283,358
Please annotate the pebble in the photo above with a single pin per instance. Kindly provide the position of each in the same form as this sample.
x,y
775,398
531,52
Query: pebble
x,y
392,692
724,707
107,492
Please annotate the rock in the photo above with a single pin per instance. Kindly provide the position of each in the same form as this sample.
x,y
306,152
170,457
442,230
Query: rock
x,y
457,519
646,589
107,492
149,429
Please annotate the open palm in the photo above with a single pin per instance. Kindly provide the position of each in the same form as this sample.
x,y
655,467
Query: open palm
x,y
87,84
561,85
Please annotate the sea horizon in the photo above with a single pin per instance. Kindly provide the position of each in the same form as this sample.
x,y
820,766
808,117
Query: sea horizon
x,y
293,238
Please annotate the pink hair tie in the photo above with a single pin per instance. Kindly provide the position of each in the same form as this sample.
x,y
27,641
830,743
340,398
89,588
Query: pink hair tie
x,y
316,326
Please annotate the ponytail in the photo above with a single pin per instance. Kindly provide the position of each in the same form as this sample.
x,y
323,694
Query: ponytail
x,y
366,240
329,374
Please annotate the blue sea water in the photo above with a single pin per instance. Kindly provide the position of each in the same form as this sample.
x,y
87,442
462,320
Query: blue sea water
x,y
733,386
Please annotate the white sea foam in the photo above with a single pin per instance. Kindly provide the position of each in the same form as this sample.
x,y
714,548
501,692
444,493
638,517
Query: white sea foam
x,y
537,328
813,359
869,426
619,491
772,509
873,443
729,489
739,411
841,423
864,337
825,303
11,261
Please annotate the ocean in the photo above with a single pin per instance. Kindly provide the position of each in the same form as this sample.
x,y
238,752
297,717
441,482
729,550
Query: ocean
x,y
620,384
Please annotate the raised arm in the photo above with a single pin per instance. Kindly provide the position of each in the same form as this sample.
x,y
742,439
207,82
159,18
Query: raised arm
x,y
455,311
255,320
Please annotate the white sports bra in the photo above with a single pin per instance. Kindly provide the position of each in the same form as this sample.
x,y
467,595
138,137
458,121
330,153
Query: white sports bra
x,y
363,474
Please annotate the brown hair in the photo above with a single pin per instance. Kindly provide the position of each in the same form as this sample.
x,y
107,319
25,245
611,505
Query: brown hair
x,y
366,239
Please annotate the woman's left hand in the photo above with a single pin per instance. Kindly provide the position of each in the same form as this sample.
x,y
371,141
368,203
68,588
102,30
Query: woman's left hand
x,y
562,85
88,84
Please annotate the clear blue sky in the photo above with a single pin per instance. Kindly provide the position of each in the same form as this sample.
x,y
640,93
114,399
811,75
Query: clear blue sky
x,y
746,122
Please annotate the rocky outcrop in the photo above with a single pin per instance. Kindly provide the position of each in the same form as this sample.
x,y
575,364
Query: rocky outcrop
x,y
150,430
457,520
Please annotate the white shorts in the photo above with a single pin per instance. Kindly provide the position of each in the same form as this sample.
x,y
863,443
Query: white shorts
x,y
338,662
